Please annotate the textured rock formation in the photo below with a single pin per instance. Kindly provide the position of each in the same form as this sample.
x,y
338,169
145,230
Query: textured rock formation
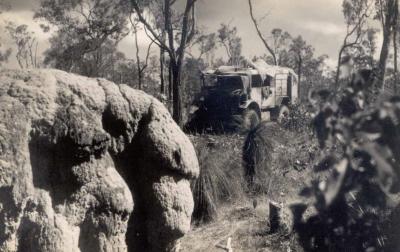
x,y
87,165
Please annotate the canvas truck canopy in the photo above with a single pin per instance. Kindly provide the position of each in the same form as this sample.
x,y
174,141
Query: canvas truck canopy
x,y
257,67
264,68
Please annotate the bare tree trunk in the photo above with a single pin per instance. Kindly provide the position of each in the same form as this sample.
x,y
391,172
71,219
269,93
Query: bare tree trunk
x,y
299,70
137,58
176,92
170,80
162,81
389,21
338,66
175,55
395,59
162,58
172,56
383,57
395,30
260,34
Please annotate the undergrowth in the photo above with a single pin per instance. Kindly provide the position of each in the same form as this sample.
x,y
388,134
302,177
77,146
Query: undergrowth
x,y
299,119
359,137
220,179
236,167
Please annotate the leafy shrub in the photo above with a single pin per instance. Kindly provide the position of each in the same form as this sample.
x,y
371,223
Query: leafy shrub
x,y
360,139
299,118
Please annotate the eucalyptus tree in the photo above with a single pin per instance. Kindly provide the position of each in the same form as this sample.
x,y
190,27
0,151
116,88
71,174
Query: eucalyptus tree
x,y
231,42
26,45
356,14
180,29
81,30
387,12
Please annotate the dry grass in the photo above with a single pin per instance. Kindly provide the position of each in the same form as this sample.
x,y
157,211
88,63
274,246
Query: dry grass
x,y
234,167
222,189
220,179
257,155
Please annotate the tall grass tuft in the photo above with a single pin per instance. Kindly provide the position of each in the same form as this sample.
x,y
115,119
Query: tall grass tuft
x,y
257,155
220,179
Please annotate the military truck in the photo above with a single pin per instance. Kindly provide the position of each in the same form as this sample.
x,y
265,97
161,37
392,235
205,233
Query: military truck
x,y
233,96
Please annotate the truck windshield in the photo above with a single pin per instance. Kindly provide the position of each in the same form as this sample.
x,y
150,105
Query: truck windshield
x,y
230,82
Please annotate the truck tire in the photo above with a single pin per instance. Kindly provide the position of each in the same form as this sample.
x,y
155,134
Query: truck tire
x,y
277,114
250,119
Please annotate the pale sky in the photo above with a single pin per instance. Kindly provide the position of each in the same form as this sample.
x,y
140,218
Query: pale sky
x,y
320,22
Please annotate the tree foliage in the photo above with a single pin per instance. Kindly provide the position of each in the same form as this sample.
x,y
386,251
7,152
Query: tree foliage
x,y
25,43
4,52
356,14
281,42
140,65
206,44
178,30
298,54
84,30
360,151
231,42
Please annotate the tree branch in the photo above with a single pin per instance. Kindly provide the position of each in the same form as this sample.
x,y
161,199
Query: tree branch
x,y
148,27
169,29
184,34
147,57
260,34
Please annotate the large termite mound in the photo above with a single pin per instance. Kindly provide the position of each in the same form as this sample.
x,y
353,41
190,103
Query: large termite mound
x,y
88,165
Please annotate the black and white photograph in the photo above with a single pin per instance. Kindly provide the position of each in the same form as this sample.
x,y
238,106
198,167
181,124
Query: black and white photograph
x,y
199,126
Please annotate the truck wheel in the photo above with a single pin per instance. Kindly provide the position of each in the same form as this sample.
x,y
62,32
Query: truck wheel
x,y
251,119
278,114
